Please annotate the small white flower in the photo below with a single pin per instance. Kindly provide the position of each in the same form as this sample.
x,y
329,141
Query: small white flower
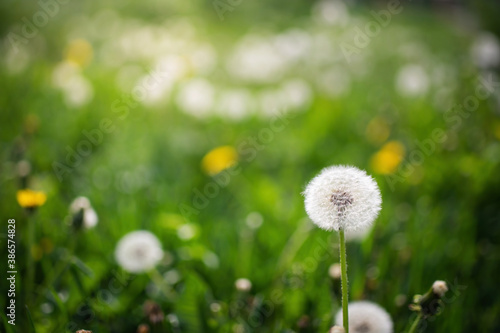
x,y
254,220
90,218
486,50
331,13
256,59
211,260
196,97
439,288
296,93
186,231
335,271
412,81
243,285
342,197
235,104
138,251
366,317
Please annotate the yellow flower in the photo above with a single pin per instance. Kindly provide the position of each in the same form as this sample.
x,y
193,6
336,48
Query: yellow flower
x,y
219,159
36,252
47,245
388,158
496,129
79,52
30,199
378,130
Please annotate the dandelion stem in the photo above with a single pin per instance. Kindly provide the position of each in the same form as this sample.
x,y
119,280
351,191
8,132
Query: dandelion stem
x,y
414,326
345,292
30,263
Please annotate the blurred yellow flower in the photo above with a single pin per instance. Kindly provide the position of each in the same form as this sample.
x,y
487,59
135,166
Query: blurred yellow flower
x,y
378,130
497,129
388,158
47,245
36,252
29,199
219,159
31,123
79,51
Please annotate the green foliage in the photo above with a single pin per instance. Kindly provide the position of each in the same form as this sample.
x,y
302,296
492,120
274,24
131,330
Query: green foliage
x,y
439,219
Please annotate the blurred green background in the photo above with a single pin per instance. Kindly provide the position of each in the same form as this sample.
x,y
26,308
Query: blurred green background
x,y
174,80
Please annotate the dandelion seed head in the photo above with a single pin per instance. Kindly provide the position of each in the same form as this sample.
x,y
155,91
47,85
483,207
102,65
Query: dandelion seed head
x,y
335,271
486,50
412,81
439,288
243,285
79,203
366,317
342,197
138,251
90,217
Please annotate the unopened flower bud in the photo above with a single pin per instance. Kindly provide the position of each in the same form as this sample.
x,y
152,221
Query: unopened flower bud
x,y
439,288
143,328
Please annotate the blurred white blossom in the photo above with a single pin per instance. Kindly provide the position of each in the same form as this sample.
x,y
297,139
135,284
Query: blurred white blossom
x,y
138,251
486,50
412,81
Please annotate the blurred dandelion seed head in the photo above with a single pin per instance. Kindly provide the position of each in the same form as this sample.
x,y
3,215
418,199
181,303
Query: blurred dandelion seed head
x,y
485,50
243,285
90,217
138,251
342,197
254,220
335,271
366,317
412,81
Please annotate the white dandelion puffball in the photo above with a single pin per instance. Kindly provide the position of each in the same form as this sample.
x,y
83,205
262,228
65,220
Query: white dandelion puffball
x,y
90,218
243,285
486,50
439,288
366,317
342,197
138,251
412,81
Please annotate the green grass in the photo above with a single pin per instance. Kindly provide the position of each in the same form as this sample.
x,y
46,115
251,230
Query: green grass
x,y
440,222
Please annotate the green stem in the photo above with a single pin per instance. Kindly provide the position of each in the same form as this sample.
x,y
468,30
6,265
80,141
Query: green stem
x,y
345,292
414,326
30,263
161,284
